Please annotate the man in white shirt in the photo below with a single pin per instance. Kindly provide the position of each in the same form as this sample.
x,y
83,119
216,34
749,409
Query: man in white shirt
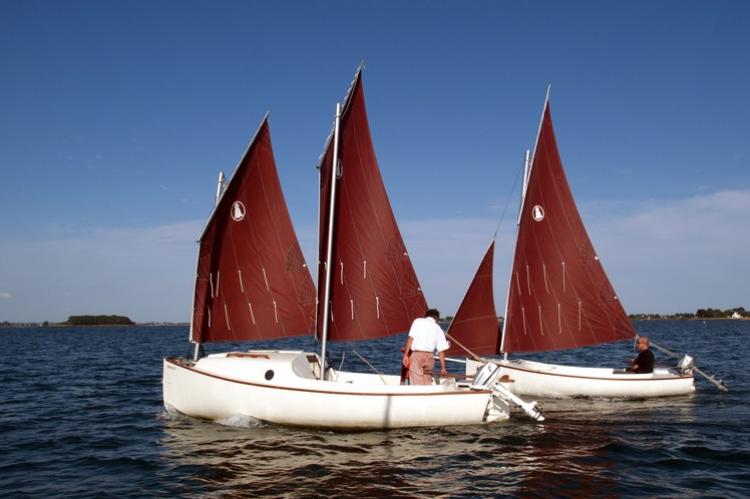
x,y
425,338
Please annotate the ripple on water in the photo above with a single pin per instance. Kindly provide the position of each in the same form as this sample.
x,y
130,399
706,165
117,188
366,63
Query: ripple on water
x,y
86,420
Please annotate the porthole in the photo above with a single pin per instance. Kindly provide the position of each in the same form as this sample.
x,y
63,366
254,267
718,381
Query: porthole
x,y
269,374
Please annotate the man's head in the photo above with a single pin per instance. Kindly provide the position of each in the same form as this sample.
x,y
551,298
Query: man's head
x,y
433,312
642,343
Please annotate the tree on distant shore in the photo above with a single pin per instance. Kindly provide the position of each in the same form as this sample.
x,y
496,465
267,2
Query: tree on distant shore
x,y
701,313
741,311
99,320
715,313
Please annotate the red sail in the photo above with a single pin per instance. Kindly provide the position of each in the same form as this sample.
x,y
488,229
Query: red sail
x,y
559,295
374,289
475,323
252,280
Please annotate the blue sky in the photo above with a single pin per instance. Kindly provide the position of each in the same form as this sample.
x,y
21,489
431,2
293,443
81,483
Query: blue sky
x,y
116,117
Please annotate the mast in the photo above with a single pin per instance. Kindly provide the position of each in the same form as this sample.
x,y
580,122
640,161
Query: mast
x,y
219,191
219,188
526,172
329,247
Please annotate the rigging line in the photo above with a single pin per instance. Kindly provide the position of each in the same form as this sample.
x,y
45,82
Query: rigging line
x,y
472,354
507,202
370,366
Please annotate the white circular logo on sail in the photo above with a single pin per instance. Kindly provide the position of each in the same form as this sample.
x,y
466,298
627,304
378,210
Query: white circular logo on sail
x,y
537,213
238,211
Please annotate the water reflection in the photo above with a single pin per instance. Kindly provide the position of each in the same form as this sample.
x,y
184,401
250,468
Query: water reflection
x,y
575,463
513,458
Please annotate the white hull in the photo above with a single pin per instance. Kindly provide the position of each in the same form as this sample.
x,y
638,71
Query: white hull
x,y
537,379
221,386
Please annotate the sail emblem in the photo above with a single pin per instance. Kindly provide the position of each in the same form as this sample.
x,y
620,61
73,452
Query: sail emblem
x,y
238,211
537,213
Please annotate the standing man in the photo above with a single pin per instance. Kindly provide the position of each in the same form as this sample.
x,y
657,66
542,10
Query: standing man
x,y
425,338
644,363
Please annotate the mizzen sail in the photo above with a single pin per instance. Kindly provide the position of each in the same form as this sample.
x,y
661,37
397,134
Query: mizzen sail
x,y
559,294
475,324
374,289
252,280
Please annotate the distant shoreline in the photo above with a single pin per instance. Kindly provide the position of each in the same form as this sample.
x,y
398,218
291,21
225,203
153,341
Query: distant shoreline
x,y
447,320
688,319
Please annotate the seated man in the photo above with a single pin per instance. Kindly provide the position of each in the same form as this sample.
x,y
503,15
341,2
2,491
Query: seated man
x,y
644,363
425,337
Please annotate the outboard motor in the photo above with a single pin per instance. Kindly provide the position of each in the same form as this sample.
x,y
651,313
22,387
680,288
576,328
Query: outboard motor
x,y
485,376
685,364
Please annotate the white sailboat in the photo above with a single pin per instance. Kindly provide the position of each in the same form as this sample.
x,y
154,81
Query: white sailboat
x,y
252,283
559,297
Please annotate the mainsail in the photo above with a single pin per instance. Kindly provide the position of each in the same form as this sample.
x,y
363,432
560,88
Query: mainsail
x,y
475,324
374,289
252,281
559,296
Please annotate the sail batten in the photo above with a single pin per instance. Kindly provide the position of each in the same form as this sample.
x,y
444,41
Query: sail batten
x,y
575,294
250,267
384,296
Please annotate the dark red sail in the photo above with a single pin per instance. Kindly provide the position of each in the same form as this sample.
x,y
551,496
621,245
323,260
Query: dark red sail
x,y
374,289
252,280
559,295
475,324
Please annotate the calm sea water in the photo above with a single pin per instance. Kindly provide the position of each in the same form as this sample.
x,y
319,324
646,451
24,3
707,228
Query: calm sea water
x,y
82,416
